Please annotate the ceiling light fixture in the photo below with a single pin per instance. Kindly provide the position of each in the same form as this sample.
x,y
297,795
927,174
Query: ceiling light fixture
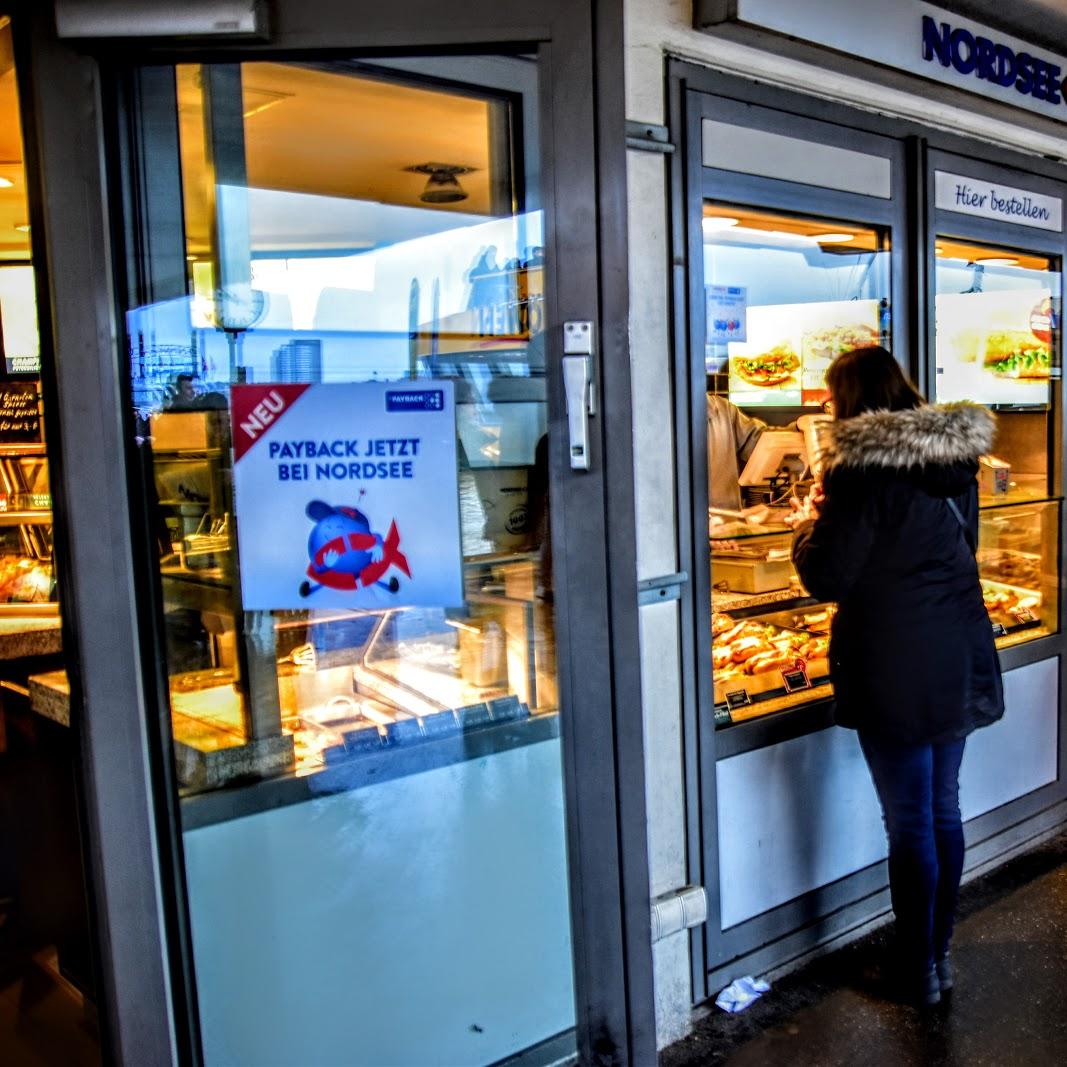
x,y
833,238
997,261
938,250
23,229
6,183
718,222
442,185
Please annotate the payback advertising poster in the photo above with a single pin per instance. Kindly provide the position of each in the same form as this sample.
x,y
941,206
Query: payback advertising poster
x,y
346,495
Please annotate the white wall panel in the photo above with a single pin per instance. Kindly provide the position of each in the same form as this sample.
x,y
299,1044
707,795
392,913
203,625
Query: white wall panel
x,y
793,817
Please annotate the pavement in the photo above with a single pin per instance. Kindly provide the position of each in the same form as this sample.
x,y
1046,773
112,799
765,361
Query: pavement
x,y
1009,1007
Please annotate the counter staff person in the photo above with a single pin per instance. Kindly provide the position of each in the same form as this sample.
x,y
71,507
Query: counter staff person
x,y
912,659
732,437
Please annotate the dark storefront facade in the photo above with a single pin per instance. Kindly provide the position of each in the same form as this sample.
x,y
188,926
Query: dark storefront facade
x,y
387,808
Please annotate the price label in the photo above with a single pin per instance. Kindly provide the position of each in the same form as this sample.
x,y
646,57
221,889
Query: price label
x,y
739,698
998,629
796,679
1026,615
722,715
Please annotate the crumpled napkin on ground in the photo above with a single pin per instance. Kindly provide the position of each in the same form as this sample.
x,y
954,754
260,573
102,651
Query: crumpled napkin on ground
x,y
742,992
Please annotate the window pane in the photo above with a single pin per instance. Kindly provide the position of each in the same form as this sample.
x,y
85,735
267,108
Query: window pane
x,y
997,321
784,296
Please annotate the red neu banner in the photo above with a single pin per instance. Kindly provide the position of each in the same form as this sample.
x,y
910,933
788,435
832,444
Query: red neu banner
x,y
255,407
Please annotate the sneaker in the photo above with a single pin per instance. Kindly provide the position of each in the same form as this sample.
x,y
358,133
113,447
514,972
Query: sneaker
x,y
946,975
930,990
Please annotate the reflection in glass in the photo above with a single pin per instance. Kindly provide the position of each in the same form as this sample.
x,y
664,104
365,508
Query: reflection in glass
x,y
350,276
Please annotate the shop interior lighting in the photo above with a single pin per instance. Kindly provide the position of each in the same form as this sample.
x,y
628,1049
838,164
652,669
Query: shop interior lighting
x,y
833,238
23,229
6,183
997,261
717,222
938,250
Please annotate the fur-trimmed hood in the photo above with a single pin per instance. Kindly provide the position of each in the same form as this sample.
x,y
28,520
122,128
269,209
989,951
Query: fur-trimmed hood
x,y
934,435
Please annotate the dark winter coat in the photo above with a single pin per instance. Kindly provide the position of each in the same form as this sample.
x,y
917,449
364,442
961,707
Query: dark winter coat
x,y
912,657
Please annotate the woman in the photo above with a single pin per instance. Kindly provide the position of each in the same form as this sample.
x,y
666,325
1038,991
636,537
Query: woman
x,y
891,538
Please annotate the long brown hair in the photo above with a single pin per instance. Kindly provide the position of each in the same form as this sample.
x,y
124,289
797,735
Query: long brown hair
x,y
869,379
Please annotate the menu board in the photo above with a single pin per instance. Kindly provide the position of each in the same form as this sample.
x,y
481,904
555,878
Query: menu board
x,y
995,347
790,347
20,417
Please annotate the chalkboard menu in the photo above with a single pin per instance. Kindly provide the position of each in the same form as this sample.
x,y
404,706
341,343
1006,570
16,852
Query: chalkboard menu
x,y
20,417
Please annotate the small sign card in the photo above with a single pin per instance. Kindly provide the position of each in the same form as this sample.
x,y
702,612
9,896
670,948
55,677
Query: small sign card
x,y
989,200
20,417
727,311
739,698
796,679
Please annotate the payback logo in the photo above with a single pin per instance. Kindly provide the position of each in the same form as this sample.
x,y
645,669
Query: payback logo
x,y
344,553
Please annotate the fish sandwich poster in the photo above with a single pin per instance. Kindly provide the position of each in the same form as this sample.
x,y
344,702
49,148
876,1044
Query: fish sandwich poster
x,y
346,495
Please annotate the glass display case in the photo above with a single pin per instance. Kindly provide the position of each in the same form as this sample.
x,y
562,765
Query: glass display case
x,y
770,639
1018,562
27,579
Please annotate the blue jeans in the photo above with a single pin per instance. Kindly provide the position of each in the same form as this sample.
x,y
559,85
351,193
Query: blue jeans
x,y
918,787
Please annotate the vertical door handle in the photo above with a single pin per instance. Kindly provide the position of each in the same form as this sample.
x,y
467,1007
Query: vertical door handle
x,y
578,389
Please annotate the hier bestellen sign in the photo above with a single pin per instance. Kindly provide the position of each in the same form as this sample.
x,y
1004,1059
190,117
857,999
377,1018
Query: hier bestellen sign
x,y
346,495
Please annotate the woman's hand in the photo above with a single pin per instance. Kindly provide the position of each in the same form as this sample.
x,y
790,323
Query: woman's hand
x,y
806,510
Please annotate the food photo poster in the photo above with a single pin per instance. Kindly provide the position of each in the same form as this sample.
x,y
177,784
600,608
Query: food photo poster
x,y
995,347
790,347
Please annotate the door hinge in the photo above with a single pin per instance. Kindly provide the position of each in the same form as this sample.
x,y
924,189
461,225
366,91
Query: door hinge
x,y
658,590
681,910
647,137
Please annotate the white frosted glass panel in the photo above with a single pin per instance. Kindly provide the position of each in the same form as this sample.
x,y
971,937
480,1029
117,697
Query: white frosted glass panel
x,y
1017,755
416,921
799,815
793,817
774,155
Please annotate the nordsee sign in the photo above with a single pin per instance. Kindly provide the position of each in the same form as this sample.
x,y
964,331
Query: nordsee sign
x,y
989,200
913,36
990,61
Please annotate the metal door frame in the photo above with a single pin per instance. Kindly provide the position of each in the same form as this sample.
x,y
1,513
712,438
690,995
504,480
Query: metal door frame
x,y
147,996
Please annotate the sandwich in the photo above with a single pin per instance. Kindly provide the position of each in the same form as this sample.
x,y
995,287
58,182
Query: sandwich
x,y
773,367
1017,354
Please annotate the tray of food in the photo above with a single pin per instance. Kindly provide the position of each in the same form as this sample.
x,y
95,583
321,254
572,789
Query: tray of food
x,y
755,656
1011,606
1010,566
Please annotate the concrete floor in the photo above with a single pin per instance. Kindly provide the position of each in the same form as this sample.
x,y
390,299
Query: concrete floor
x,y
42,1020
1009,1008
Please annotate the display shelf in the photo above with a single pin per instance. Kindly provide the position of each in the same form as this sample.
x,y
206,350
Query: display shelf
x,y
1014,500
785,702
38,516
745,604
19,451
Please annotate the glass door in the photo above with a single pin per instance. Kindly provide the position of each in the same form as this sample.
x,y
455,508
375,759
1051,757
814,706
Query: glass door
x,y
338,393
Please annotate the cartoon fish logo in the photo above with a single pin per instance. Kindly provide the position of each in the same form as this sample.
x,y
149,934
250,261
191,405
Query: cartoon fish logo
x,y
345,553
